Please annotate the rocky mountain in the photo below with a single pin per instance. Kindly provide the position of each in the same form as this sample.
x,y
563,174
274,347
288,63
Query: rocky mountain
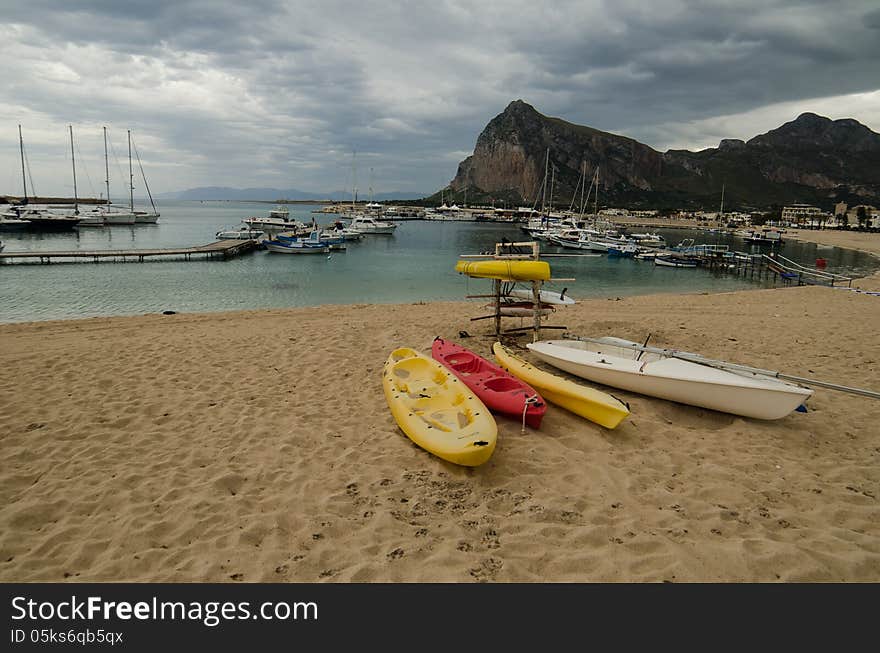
x,y
810,159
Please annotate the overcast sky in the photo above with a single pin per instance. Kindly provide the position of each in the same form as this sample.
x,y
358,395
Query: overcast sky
x,y
279,94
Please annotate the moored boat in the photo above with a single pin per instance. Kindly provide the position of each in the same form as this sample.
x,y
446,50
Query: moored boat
x,y
367,224
674,261
501,391
656,375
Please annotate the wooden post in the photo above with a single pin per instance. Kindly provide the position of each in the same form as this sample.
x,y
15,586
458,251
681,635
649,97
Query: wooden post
x,y
496,287
536,298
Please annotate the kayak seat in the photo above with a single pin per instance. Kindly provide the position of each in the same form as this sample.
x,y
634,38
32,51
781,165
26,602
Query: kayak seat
x,y
464,362
503,384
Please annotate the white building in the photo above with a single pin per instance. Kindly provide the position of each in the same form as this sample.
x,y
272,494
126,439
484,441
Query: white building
x,y
803,214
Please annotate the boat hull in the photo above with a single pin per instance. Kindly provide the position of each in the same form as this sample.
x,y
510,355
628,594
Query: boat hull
x,y
546,296
292,249
436,410
498,389
675,380
591,404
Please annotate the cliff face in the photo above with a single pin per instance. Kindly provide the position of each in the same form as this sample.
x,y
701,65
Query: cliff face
x,y
510,155
810,159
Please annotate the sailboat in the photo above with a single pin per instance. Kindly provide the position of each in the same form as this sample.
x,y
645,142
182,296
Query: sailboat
x,y
93,217
39,219
114,215
120,216
141,217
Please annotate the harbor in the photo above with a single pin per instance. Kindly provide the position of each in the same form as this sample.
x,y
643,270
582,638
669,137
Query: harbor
x,y
413,264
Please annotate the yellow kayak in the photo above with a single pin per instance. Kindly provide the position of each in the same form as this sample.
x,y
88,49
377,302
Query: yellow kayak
x,y
436,410
505,270
596,406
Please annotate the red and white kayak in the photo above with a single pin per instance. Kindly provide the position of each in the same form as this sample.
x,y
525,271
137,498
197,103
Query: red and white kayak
x,y
498,389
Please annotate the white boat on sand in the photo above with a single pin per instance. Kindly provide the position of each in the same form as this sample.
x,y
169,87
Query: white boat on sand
x,y
626,365
546,296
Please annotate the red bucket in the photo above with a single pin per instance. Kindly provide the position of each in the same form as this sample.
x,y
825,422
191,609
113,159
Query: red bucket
x,y
821,262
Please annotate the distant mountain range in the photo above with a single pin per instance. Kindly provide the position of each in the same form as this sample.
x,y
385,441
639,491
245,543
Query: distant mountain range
x,y
811,159
274,195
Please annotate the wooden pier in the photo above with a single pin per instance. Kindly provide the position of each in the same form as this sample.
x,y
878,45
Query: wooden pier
x,y
221,249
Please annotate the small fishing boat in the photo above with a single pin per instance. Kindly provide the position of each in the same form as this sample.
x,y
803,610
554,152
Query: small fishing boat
x,y
499,390
340,230
242,233
591,404
623,250
436,410
282,244
648,240
623,364
674,261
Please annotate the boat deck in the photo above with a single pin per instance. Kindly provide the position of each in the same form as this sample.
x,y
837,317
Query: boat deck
x,y
221,249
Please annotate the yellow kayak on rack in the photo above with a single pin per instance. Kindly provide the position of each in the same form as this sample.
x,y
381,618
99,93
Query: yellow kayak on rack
x,y
436,410
594,405
505,270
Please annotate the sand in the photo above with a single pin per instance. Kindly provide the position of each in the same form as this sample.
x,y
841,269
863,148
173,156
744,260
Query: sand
x,y
257,446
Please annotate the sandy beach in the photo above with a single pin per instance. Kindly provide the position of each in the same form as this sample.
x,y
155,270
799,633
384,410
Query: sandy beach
x,y
257,446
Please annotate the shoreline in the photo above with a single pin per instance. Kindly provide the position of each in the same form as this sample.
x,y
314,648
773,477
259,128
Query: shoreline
x,y
257,446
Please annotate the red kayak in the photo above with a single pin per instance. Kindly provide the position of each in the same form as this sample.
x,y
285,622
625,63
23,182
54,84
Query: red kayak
x,y
498,389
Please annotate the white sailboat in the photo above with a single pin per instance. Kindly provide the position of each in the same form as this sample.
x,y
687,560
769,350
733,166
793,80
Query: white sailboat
x,y
141,217
114,215
92,217
650,371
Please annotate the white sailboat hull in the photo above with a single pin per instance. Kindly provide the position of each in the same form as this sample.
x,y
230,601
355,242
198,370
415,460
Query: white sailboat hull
x,y
547,296
119,218
674,379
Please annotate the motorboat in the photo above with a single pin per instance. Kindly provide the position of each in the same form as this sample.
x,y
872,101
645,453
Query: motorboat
x,y
244,232
367,224
289,244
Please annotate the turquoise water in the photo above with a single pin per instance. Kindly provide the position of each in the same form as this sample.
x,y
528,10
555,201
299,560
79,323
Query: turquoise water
x,y
414,264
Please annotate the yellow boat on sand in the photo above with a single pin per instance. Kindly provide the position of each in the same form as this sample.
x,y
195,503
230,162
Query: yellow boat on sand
x,y
436,410
505,270
594,405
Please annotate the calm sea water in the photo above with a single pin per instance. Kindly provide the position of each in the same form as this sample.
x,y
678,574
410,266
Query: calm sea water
x,y
414,264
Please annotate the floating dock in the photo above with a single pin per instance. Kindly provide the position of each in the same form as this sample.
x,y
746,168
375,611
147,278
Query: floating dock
x,y
221,249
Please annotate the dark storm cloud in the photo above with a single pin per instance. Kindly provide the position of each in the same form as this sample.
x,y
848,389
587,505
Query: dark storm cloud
x,y
281,93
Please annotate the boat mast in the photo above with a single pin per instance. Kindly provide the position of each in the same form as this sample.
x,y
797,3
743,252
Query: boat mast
x,y
144,177
73,163
552,183
106,168
596,196
544,188
130,175
721,211
23,177
353,182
